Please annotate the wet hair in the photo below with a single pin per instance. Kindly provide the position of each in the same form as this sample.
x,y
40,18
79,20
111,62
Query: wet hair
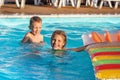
x,y
34,19
59,32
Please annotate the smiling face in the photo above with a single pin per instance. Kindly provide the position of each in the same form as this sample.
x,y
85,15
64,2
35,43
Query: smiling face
x,y
58,40
37,26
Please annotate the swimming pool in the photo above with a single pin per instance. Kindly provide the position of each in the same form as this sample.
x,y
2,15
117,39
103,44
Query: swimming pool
x,y
20,62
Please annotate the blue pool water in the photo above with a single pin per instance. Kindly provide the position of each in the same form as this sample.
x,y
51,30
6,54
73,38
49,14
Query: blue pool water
x,y
33,62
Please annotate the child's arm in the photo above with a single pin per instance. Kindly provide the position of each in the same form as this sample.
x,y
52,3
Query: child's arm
x,y
26,38
78,49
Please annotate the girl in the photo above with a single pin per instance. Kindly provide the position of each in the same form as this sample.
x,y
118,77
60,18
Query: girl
x,y
59,40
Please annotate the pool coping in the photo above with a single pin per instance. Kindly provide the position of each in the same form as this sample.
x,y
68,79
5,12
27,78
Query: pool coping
x,y
59,15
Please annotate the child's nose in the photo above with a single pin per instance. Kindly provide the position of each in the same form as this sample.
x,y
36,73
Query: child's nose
x,y
37,29
56,42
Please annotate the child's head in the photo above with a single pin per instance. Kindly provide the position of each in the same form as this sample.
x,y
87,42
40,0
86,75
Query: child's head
x,y
35,24
58,40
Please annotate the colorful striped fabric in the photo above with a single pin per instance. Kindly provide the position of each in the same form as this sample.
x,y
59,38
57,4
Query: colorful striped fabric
x,y
106,60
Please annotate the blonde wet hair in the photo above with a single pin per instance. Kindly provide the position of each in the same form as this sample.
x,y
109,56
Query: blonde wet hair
x,y
59,32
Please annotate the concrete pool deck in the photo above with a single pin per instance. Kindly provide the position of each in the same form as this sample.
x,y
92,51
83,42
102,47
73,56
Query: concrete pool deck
x,y
10,9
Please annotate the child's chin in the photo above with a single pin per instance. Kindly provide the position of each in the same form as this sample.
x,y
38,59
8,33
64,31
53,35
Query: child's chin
x,y
56,48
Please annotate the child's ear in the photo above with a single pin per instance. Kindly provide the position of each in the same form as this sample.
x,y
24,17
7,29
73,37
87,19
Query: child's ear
x,y
64,44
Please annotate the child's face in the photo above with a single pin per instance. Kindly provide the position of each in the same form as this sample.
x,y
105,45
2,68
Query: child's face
x,y
58,42
37,26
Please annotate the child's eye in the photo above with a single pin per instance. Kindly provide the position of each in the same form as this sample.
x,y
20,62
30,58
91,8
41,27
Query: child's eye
x,y
40,27
59,40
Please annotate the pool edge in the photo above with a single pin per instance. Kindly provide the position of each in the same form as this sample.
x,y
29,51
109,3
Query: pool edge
x,y
60,15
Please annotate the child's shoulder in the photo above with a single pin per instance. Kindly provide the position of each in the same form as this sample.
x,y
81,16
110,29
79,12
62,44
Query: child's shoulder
x,y
41,35
28,34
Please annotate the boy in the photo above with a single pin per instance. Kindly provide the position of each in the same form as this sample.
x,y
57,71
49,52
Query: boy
x,y
34,35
